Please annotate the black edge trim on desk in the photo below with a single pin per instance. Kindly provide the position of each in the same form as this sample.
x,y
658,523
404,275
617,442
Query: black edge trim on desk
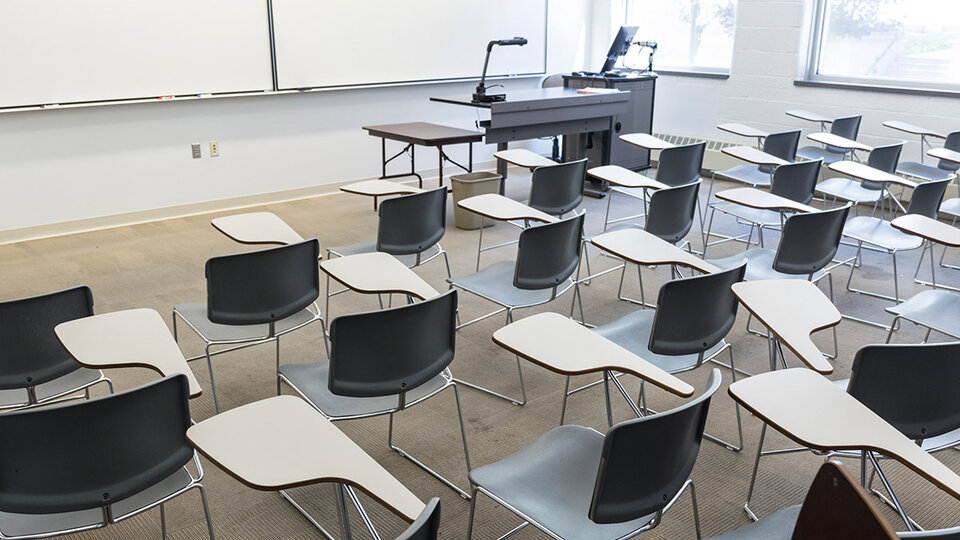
x,y
700,74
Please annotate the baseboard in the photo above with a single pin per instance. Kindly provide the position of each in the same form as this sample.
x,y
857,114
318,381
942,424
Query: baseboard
x,y
64,228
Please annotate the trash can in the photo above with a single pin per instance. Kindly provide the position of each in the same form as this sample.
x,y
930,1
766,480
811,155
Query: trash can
x,y
470,185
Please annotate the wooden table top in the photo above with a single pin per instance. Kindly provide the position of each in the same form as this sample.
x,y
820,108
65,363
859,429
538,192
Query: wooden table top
x,y
377,273
763,200
282,442
645,140
915,130
379,188
522,157
928,228
809,116
640,247
945,154
130,338
566,347
742,130
792,309
868,173
752,155
816,413
838,141
424,133
500,208
623,177
257,228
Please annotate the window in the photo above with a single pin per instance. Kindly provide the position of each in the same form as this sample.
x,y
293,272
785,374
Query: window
x,y
693,35
898,43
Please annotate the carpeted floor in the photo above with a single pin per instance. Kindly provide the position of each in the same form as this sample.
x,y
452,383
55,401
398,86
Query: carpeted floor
x,y
160,264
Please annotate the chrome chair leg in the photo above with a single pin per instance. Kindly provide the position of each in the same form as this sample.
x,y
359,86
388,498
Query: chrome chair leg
x,y
466,452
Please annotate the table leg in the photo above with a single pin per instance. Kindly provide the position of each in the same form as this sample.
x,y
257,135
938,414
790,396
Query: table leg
x,y
502,167
440,158
470,163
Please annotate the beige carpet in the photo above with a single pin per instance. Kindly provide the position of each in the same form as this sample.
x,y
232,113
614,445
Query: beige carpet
x,y
160,264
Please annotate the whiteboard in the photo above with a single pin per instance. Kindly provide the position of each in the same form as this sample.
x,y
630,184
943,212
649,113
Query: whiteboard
x,y
321,43
63,51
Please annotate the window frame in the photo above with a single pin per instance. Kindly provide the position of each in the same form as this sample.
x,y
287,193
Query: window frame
x,y
812,78
689,70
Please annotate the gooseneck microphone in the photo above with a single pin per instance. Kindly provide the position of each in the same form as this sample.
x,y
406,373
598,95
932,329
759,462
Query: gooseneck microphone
x,y
481,96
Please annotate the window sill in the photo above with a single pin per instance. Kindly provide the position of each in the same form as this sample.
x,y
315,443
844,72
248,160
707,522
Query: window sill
x,y
700,74
877,88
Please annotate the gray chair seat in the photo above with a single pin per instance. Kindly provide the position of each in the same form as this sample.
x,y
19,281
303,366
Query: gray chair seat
x,y
495,283
816,152
777,526
632,332
39,524
848,190
69,383
311,380
370,246
196,316
767,218
748,174
935,309
879,233
759,265
551,481
951,207
920,170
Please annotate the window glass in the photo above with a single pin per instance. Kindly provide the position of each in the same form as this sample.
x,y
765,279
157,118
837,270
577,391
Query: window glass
x,y
693,35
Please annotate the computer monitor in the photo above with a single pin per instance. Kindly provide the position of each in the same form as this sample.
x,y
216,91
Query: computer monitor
x,y
619,47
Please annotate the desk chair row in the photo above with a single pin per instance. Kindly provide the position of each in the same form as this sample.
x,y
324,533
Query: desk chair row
x,y
313,263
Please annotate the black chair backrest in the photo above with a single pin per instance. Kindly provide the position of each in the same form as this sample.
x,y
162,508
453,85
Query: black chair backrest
x,y
558,189
645,462
392,351
809,241
796,181
783,145
847,127
263,286
912,387
31,353
412,223
680,165
884,158
427,524
548,254
671,211
951,143
926,198
694,314
94,453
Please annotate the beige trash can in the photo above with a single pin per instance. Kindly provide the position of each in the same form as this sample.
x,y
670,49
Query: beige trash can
x,y
470,185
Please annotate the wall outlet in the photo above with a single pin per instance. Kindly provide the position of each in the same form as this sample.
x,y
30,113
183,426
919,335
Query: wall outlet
x,y
214,149
195,149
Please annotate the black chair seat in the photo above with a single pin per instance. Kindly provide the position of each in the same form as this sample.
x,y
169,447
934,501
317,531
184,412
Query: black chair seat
x,y
196,316
37,524
495,283
370,246
747,174
552,481
632,332
311,381
922,170
61,386
759,265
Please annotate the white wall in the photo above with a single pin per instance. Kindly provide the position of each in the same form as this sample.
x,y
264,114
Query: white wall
x,y
769,53
75,164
